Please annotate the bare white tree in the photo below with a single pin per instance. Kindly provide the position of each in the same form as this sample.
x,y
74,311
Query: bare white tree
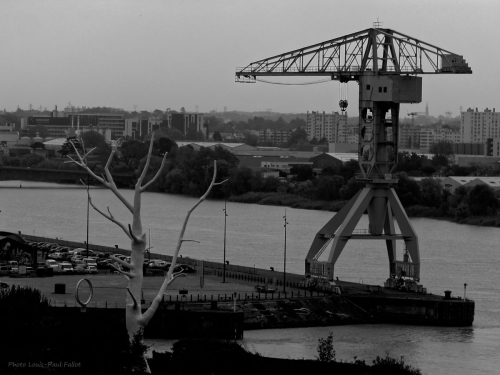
x,y
135,319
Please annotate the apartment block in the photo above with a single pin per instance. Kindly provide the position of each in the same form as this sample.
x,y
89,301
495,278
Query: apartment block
x,y
274,136
409,136
186,121
477,127
428,136
333,127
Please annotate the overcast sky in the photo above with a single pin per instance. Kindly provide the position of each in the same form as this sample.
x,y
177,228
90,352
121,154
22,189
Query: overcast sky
x,y
174,53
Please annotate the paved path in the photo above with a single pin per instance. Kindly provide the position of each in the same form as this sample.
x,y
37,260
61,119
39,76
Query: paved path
x,y
111,288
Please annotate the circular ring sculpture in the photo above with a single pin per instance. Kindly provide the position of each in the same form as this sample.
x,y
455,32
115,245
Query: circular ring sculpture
x,y
84,304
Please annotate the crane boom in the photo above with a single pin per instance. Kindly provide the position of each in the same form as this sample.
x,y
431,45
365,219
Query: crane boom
x,y
383,51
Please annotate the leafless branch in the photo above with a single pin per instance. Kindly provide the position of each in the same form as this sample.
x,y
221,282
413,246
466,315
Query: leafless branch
x,y
163,163
128,275
170,277
121,262
111,218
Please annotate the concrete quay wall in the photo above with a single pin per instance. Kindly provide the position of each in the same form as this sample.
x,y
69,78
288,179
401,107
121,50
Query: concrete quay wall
x,y
418,311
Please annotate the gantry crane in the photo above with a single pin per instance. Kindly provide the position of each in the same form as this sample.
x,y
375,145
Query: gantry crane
x,y
386,65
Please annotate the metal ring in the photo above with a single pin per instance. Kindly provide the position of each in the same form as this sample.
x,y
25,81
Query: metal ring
x,y
91,292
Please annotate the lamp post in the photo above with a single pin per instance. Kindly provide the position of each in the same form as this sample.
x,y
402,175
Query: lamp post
x,y
284,261
224,261
149,252
88,210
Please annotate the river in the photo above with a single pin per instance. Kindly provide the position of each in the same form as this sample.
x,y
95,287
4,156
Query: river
x,y
451,255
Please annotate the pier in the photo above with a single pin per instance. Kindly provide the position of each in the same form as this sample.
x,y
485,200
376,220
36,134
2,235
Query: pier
x,y
202,306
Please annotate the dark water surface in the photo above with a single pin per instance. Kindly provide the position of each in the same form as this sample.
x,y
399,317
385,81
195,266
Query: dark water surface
x,y
451,255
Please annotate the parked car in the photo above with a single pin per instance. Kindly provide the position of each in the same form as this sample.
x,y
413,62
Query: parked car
x,y
3,285
104,264
120,256
90,262
76,258
156,263
91,269
14,266
85,252
51,264
65,268
79,269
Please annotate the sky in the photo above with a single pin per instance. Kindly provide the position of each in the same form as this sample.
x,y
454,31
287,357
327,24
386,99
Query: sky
x,y
184,53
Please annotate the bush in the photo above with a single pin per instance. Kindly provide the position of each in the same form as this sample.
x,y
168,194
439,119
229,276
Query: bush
x,y
325,349
389,365
30,160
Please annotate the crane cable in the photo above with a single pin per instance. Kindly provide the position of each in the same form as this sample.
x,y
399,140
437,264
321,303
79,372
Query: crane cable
x,y
293,84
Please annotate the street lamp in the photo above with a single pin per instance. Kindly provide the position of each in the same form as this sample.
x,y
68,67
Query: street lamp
x,y
284,262
224,262
149,252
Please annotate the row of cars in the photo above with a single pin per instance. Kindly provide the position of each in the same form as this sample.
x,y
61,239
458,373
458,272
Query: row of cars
x,y
165,266
66,260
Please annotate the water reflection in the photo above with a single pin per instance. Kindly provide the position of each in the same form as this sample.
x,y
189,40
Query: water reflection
x,y
448,335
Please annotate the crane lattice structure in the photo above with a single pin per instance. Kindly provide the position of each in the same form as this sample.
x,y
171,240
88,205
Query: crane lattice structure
x,y
386,65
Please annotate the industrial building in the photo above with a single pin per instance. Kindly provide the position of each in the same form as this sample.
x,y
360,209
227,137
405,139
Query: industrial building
x,y
452,182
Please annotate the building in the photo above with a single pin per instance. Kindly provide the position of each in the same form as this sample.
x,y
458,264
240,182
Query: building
x,y
495,147
452,182
409,136
351,148
279,137
8,135
428,136
58,126
232,147
267,163
138,128
468,160
186,121
477,127
333,127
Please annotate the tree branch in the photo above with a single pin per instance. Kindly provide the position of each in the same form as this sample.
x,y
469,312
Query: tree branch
x,y
109,184
170,277
128,275
111,218
163,163
121,262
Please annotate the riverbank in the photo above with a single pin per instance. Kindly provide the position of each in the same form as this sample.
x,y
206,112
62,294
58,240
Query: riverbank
x,y
295,201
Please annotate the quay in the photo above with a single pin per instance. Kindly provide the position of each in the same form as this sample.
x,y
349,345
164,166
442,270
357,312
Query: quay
x,y
207,306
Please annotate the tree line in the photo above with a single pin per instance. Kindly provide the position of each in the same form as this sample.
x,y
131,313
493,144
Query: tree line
x,y
189,172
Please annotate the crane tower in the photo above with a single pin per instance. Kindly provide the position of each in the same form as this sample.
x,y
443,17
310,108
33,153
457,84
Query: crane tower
x,y
386,65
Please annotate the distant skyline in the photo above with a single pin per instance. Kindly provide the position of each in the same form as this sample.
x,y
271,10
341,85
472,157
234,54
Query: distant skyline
x,y
159,55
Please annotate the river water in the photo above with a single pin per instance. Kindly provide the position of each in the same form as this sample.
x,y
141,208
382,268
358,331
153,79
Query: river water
x,y
451,255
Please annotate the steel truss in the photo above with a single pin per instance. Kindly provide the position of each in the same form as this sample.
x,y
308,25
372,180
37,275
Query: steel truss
x,y
384,51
